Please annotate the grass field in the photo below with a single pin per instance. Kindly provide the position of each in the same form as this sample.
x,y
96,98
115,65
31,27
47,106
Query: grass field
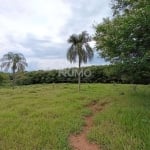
x,y
41,117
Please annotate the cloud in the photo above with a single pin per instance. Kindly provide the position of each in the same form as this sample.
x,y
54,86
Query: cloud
x,y
57,63
39,17
86,14
40,28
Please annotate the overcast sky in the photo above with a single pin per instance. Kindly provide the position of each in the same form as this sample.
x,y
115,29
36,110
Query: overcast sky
x,y
40,28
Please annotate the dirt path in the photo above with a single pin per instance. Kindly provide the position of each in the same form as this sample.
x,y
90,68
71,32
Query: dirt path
x,y
80,141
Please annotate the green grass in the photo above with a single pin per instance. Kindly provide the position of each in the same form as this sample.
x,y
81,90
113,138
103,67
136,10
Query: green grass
x,y
40,117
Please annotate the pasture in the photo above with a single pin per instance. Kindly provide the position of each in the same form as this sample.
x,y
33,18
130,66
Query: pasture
x,y
42,117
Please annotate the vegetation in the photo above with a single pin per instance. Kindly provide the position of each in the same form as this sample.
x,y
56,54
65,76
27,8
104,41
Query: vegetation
x,y
79,50
4,79
124,39
14,61
43,116
99,74
1,78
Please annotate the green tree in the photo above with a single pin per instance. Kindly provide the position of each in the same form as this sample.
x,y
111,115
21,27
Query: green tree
x,y
14,61
80,51
125,38
121,7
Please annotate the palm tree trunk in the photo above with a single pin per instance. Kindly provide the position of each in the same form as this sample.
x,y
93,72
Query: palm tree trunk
x,y
79,77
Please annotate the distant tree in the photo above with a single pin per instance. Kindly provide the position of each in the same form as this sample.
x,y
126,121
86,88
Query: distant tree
x,y
14,61
80,51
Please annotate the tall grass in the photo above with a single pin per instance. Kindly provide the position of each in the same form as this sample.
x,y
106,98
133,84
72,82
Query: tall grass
x,y
41,117
125,124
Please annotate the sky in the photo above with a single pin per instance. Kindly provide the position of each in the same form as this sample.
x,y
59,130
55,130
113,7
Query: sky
x,y
39,29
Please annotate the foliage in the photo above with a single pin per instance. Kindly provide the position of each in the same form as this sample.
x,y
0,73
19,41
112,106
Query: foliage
x,y
1,79
121,7
80,49
99,74
4,79
125,38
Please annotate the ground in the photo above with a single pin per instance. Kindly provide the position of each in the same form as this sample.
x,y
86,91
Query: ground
x,y
43,117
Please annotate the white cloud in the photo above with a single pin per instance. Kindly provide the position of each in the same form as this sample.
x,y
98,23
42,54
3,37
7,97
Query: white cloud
x,y
55,63
40,28
49,63
39,17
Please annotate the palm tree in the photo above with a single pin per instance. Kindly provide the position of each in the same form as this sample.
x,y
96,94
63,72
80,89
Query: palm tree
x,y
80,51
14,61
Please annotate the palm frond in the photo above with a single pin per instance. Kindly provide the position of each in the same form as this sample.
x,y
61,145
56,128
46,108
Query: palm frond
x,y
72,54
80,48
73,39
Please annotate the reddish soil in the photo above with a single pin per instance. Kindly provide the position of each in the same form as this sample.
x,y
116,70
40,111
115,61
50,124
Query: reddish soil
x,y
80,141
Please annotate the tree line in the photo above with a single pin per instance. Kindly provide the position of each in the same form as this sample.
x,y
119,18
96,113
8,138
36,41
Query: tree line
x,y
98,74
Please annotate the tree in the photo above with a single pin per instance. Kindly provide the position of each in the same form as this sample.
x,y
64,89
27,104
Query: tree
x,y
125,38
80,51
121,7
14,61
